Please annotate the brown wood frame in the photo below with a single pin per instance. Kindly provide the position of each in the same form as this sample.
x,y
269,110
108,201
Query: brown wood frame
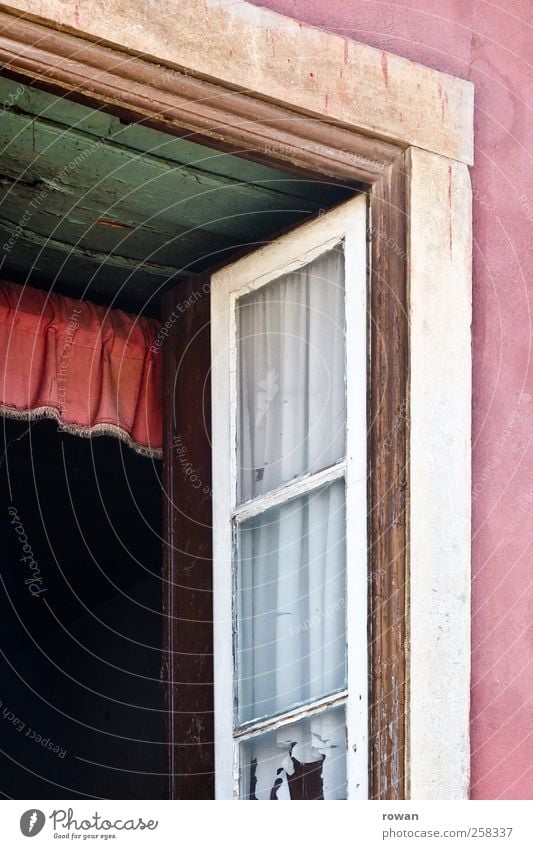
x,y
388,410
178,102
187,554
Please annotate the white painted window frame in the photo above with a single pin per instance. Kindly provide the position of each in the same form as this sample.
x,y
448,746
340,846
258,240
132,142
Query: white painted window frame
x,y
347,223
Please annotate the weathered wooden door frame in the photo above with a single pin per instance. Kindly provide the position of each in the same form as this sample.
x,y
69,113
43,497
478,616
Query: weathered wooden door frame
x,y
315,145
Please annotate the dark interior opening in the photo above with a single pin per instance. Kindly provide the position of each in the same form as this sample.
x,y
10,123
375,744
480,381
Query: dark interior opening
x,y
82,703
99,208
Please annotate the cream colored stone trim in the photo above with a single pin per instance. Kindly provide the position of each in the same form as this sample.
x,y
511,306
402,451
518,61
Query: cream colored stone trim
x,y
440,371
277,58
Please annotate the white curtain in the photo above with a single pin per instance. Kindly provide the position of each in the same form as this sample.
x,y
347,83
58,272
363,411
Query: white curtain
x,y
291,376
291,569
291,604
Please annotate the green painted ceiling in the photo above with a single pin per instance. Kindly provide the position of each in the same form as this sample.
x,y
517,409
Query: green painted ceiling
x,y
117,212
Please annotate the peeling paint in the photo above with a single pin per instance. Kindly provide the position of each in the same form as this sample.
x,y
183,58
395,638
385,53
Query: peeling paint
x,y
111,222
443,96
385,67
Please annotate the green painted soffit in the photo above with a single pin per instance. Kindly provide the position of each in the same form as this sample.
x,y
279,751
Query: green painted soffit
x,y
117,212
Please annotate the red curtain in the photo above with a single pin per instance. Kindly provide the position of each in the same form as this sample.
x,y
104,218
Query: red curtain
x,y
95,370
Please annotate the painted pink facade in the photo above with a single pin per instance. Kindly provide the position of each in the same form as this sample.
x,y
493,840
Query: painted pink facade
x,y
490,44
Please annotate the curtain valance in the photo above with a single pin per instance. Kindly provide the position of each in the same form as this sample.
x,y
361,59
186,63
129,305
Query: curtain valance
x,y
93,369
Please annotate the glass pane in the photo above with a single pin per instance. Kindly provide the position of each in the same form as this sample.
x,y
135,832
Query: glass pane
x,y
306,760
291,362
291,583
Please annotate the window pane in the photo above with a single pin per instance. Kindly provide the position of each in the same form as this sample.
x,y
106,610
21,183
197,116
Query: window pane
x,y
306,760
291,364
291,631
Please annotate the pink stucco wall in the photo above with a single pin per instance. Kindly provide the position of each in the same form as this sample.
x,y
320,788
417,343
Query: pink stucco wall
x,y
490,44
